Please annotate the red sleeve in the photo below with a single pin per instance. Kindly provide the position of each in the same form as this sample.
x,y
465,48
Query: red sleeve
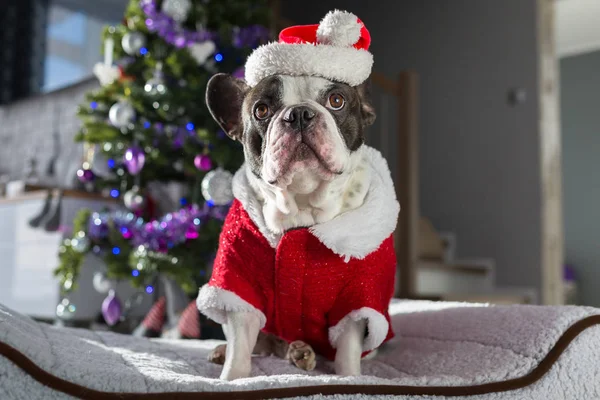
x,y
239,258
372,284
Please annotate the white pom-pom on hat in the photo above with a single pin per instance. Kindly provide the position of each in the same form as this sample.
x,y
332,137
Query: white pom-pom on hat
x,y
339,28
336,49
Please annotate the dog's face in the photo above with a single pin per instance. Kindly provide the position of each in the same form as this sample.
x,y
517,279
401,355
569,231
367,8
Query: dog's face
x,y
295,130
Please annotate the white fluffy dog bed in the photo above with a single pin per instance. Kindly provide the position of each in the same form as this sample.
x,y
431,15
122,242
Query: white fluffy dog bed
x,y
441,350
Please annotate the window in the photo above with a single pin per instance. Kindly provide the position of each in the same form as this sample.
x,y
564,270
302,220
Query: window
x,y
73,39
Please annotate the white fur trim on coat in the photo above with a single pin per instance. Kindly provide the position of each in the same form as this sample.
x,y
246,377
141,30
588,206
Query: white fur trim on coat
x,y
359,232
243,191
215,303
353,234
339,28
342,64
377,327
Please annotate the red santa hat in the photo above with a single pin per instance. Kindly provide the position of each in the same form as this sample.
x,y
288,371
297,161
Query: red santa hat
x,y
335,49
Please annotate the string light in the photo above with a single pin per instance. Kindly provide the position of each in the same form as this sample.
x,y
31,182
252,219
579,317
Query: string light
x,y
111,163
126,233
183,201
218,57
114,193
147,124
143,51
116,251
189,126
149,289
93,105
135,272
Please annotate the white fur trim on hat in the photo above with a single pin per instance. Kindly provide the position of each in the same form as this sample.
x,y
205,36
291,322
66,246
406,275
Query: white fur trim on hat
x,y
339,28
377,327
342,64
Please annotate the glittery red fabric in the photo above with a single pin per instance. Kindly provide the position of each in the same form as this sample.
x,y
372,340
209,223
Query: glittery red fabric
x,y
302,287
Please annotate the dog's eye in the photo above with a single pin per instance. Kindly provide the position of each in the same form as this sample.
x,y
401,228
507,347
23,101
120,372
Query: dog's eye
x,y
261,111
336,102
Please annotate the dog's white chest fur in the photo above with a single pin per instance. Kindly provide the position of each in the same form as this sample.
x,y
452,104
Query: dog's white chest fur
x,y
308,200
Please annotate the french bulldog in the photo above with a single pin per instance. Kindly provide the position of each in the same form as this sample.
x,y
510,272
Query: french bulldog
x,y
303,141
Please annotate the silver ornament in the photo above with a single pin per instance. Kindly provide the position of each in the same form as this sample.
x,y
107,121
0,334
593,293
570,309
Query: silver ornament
x,y
99,164
65,310
121,114
101,283
133,200
177,9
80,243
132,42
216,187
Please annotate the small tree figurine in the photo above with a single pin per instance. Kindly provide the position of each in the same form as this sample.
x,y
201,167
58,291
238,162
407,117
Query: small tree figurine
x,y
147,126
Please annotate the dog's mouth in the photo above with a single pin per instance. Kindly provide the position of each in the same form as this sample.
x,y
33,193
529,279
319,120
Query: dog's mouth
x,y
305,157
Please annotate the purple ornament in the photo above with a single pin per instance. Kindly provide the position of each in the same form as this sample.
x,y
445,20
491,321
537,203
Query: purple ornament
x,y
134,160
85,175
191,233
203,162
111,308
170,30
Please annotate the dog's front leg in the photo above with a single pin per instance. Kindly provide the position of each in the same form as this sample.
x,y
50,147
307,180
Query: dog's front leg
x,y
241,331
349,348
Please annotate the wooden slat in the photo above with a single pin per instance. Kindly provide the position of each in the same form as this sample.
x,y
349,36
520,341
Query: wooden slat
x,y
407,184
71,193
552,229
276,20
383,82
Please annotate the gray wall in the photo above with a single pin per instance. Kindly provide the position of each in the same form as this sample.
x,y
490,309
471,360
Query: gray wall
x,y
580,114
479,156
27,127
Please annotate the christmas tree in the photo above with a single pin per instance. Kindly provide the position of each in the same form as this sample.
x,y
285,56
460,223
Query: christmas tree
x,y
148,124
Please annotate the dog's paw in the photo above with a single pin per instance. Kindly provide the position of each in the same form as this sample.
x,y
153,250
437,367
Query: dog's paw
x,y
302,355
217,356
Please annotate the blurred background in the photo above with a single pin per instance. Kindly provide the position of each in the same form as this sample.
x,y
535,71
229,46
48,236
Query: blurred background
x,y
114,179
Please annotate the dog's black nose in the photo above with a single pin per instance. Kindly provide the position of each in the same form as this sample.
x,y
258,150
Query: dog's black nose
x,y
299,117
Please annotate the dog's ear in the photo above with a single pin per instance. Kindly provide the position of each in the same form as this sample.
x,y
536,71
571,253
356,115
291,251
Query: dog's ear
x,y
366,107
224,98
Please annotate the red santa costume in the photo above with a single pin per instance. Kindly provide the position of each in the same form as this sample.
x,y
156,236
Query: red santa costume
x,y
307,283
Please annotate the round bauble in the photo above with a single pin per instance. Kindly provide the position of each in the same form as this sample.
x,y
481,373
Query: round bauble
x,y
134,200
132,42
216,187
85,175
203,162
121,114
101,283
